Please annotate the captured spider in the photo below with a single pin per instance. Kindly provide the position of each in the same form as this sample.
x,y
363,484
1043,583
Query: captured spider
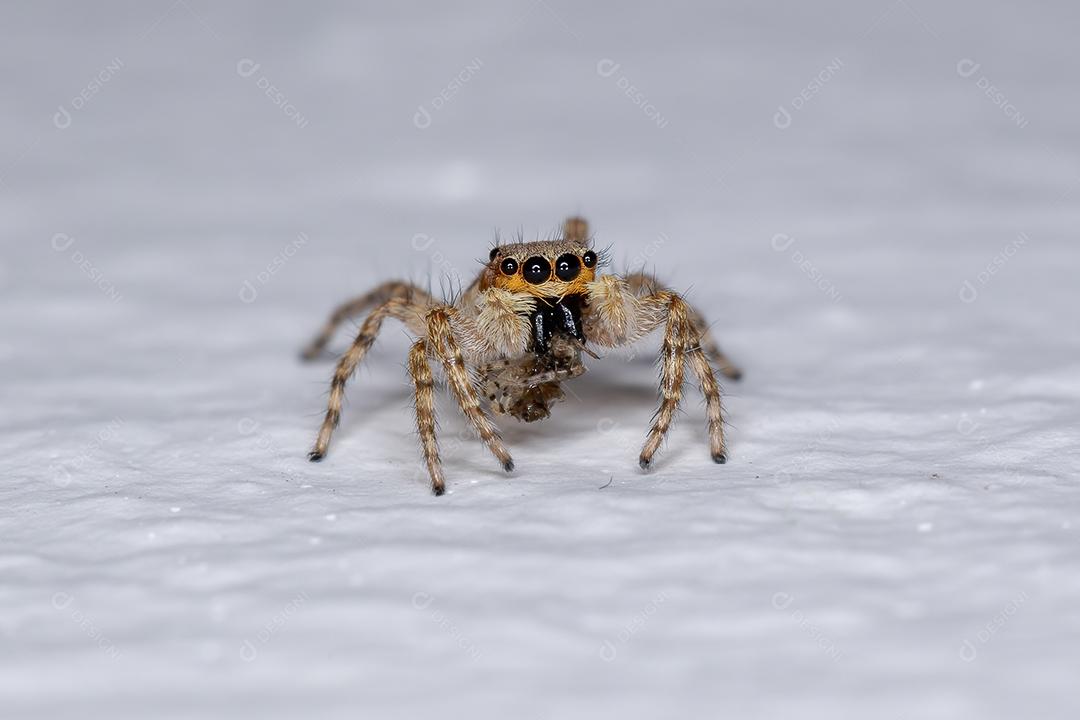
x,y
518,332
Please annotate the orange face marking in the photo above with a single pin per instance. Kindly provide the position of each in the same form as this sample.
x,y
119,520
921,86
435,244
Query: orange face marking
x,y
553,269
553,288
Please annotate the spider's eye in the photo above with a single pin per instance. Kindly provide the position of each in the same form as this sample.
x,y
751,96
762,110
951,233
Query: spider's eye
x,y
567,267
494,252
589,259
509,266
537,270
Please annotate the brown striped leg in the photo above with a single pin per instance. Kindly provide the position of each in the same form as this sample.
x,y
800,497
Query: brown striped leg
x,y
576,229
399,308
446,348
356,306
672,365
645,284
708,344
713,409
420,372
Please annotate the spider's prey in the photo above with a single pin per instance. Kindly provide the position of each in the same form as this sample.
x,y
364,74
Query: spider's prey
x,y
518,332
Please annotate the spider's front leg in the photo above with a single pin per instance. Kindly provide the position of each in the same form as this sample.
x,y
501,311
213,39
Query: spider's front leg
x,y
619,316
488,324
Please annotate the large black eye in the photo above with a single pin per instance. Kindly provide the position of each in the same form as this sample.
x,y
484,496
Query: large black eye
x,y
509,266
494,252
589,259
567,267
537,270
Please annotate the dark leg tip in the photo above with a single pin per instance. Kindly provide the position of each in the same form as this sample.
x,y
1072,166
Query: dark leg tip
x,y
315,456
438,490
644,463
508,466
719,458
736,375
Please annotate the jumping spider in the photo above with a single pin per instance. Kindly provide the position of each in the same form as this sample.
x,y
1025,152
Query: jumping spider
x,y
519,331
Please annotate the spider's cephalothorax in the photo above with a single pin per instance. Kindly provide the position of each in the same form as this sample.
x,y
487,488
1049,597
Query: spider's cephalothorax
x,y
518,332
556,273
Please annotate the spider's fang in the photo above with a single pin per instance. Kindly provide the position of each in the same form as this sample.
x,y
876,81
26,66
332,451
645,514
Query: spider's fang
x,y
561,314
543,327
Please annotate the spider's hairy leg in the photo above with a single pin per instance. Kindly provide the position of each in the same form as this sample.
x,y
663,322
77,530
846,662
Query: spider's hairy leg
x,y
401,309
616,314
447,348
424,382
672,366
713,409
619,316
576,229
645,284
682,343
356,306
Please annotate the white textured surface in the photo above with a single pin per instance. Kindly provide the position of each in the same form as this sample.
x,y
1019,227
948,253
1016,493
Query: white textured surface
x,y
903,470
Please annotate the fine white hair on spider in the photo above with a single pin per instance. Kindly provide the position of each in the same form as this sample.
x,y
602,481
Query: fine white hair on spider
x,y
513,336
